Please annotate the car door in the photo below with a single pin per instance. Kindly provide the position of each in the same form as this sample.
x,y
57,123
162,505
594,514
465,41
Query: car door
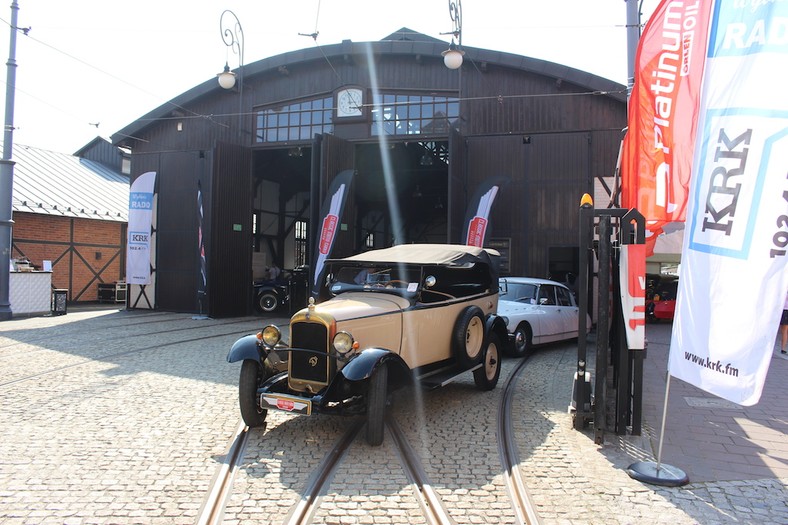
x,y
569,312
552,323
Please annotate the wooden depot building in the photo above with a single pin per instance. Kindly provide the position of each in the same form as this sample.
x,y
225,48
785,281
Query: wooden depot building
x,y
419,136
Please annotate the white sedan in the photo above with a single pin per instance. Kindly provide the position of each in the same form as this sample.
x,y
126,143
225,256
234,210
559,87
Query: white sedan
x,y
537,311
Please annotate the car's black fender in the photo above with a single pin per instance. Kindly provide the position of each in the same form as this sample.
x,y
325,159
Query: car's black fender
x,y
495,323
246,347
362,365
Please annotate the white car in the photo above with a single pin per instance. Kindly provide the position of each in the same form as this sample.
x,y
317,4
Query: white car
x,y
537,311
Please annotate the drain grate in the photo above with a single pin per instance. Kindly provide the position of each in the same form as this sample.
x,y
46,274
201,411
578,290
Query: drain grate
x,y
712,402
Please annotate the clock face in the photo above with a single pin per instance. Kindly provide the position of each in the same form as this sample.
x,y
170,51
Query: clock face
x,y
349,103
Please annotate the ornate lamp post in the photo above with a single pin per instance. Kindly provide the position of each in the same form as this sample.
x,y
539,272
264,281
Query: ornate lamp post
x,y
452,57
233,38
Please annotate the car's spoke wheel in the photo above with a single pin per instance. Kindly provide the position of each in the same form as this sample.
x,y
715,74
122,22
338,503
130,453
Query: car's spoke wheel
x,y
267,302
376,405
468,336
252,376
487,376
522,341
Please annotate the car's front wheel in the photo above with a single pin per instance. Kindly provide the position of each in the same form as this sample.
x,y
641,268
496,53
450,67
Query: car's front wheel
x,y
376,405
252,376
487,376
522,341
267,302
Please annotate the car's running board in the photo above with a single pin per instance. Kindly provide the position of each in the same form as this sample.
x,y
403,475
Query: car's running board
x,y
444,376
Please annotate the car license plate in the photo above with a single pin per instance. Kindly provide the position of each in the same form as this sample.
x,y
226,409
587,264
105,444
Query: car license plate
x,y
293,404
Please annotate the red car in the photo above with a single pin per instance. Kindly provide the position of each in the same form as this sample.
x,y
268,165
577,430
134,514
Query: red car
x,y
661,298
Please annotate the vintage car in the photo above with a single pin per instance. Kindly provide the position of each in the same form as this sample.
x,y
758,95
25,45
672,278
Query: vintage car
x,y
411,314
661,297
269,295
289,287
537,311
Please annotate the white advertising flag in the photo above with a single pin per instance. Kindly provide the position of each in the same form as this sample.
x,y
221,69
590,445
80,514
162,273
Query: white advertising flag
x,y
140,214
734,274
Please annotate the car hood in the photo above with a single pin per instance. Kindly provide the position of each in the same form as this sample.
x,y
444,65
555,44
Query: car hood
x,y
354,305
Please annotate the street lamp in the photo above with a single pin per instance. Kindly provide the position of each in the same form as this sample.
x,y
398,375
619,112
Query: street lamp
x,y
452,57
7,171
233,38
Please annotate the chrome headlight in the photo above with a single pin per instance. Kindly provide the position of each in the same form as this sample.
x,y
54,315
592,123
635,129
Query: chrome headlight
x,y
270,336
344,343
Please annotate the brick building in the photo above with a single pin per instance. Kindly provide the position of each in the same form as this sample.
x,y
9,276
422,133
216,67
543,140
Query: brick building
x,y
72,210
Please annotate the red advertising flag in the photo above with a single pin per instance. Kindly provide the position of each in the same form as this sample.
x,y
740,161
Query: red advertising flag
x,y
331,212
477,218
663,111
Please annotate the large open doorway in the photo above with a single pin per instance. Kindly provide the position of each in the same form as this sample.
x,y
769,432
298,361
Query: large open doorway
x,y
400,195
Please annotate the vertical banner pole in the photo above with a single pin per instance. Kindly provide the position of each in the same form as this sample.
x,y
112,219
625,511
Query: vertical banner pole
x,y
659,473
664,417
602,332
582,391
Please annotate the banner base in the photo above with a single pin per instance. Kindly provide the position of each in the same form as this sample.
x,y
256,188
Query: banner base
x,y
662,474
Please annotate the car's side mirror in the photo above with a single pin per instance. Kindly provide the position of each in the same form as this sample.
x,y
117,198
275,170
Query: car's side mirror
x,y
543,300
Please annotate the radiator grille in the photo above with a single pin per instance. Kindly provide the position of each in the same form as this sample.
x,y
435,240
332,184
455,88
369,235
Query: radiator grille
x,y
313,368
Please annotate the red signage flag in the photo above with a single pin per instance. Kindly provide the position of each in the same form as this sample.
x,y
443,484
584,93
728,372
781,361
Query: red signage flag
x,y
663,112
331,211
477,219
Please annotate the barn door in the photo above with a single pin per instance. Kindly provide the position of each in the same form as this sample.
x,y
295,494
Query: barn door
x,y
229,264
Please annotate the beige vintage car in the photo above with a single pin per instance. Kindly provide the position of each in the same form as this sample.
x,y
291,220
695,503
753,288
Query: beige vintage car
x,y
416,313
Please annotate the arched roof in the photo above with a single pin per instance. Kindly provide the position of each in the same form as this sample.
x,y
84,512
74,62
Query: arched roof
x,y
401,42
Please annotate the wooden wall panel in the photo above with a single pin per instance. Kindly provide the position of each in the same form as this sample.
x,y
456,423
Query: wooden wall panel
x,y
230,250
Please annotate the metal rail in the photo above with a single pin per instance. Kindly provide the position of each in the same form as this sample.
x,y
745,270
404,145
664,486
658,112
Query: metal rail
x,y
304,510
212,510
431,504
524,508
92,359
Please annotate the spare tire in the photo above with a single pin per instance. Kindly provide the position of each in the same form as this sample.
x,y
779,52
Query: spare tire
x,y
468,337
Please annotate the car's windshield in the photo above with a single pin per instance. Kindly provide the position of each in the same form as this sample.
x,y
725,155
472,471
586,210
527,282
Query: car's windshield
x,y
389,278
523,292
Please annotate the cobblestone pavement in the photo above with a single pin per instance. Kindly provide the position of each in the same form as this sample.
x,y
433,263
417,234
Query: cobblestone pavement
x,y
574,481
116,417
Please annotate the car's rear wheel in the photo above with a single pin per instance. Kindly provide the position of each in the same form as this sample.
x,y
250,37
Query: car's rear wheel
x,y
267,302
376,405
522,341
252,376
468,337
487,376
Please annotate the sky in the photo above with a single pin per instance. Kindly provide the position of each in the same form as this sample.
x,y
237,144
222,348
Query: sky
x,y
88,68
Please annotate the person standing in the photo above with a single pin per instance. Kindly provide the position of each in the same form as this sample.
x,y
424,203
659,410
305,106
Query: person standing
x,y
784,326
274,272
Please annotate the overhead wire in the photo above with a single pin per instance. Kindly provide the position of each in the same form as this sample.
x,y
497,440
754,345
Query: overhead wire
x,y
103,72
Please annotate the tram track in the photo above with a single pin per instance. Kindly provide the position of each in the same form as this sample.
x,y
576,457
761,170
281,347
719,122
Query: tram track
x,y
431,505
524,508
303,512
104,357
212,510
61,334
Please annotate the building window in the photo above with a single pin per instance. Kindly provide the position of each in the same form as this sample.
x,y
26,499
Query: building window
x,y
295,122
300,243
414,115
